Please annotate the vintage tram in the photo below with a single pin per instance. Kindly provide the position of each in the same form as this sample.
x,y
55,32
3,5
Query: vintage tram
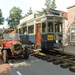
x,y
45,32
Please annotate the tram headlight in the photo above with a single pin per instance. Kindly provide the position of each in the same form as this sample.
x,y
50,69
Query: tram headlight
x,y
56,41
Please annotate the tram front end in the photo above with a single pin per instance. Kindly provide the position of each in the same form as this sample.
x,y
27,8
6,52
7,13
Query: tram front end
x,y
52,37
50,41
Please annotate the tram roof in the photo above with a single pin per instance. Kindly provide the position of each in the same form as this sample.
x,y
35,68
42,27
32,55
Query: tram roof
x,y
42,17
45,16
36,17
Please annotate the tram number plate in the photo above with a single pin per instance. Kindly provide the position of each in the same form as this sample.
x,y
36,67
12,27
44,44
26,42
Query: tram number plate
x,y
49,37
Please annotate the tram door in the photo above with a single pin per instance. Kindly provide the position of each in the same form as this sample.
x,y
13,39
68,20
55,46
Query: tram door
x,y
38,35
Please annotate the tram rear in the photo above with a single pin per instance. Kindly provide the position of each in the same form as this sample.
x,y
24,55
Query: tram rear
x,y
52,33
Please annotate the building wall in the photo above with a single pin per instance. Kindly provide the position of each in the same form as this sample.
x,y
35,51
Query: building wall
x,y
71,15
71,20
65,38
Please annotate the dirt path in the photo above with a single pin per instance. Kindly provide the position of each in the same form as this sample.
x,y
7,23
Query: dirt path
x,y
4,67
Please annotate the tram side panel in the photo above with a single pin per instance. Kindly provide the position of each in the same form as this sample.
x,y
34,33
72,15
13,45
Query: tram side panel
x,y
49,42
27,39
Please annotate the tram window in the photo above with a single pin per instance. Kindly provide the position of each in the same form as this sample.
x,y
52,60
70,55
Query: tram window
x,y
58,27
72,34
50,27
16,30
19,31
24,30
43,27
31,29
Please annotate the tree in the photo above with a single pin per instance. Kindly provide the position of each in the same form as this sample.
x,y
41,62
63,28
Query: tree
x,y
50,4
25,15
53,5
1,18
30,11
14,17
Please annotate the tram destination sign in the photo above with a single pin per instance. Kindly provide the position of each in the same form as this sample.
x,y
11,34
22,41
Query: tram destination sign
x,y
50,37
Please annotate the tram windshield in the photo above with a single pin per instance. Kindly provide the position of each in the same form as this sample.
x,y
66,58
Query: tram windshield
x,y
50,27
44,27
25,30
58,26
31,29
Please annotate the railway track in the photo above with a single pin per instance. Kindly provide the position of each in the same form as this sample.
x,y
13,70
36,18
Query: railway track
x,y
57,57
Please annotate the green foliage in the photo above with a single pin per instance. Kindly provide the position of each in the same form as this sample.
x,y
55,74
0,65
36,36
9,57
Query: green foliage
x,y
50,4
53,5
1,18
14,17
29,12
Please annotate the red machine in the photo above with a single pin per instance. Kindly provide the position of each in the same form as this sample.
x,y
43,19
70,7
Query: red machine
x,y
11,46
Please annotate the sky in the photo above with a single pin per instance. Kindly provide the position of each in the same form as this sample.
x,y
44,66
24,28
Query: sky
x,y
24,5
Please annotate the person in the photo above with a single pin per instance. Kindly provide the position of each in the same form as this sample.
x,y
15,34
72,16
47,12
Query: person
x,y
1,46
25,32
3,52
